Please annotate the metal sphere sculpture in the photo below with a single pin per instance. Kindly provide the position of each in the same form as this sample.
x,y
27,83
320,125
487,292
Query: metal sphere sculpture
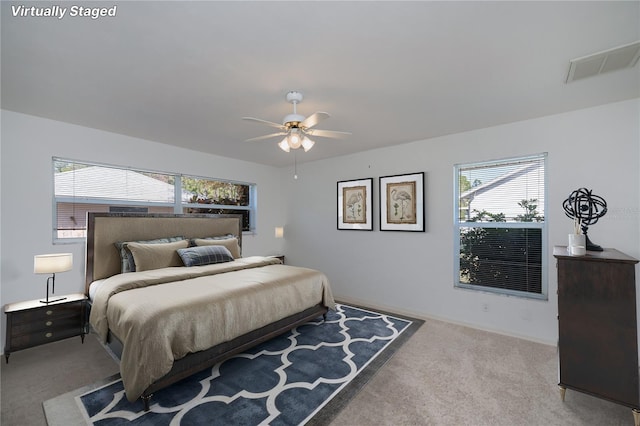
x,y
585,208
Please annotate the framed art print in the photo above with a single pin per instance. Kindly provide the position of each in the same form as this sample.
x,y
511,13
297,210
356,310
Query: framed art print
x,y
402,202
355,204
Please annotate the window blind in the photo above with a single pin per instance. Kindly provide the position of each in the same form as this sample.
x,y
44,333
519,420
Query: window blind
x,y
81,187
500,226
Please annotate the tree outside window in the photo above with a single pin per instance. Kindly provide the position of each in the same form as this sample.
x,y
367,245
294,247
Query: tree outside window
x,y
500,227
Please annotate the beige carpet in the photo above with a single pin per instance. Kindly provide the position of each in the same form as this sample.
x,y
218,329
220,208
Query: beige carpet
x,y
453,375
444,375
34,375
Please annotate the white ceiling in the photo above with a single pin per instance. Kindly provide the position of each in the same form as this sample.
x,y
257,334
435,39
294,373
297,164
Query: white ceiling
x,y
184,73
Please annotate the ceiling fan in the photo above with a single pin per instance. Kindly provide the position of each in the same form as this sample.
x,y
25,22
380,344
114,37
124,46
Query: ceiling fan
x,y
297,128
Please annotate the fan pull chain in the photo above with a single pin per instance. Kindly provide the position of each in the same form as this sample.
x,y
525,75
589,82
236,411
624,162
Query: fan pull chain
x,y
295,165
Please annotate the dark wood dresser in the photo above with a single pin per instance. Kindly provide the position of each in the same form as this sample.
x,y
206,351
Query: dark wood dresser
x,y
597,324
34,323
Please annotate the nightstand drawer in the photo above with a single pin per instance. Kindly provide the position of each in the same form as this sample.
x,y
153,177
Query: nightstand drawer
x,y
47,313
47,325
25,341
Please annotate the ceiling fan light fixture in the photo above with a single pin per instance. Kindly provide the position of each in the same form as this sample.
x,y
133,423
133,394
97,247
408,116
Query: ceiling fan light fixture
x,y
284,145
296,128
307,144
294,139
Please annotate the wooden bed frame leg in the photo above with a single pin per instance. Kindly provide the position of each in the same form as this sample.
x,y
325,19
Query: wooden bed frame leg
x,y
146,399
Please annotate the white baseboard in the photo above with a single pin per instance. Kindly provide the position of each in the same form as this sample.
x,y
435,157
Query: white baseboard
x,y
424,316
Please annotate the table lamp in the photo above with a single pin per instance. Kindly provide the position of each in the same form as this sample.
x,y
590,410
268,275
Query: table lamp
x,y
50,264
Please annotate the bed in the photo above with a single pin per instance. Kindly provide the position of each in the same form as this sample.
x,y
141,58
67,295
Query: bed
x,y
166,321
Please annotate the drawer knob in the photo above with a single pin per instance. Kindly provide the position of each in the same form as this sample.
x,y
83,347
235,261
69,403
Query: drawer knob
x,y
48,334
49,323
49,312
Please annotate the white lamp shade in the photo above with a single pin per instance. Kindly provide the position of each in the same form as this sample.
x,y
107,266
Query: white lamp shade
x,y
284,145
307,144
52,263
279,232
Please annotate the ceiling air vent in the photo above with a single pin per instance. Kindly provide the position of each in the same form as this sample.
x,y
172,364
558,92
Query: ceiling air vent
x,y
605,61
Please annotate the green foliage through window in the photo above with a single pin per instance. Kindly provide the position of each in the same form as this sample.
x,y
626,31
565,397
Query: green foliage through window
x,y
501,235
85,187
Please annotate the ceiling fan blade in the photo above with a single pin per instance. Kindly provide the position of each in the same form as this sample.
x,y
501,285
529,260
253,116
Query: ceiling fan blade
x,y
314,119
327,133
272,135
268,123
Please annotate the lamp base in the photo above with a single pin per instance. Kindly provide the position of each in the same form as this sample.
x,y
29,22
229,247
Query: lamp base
x,y
52,300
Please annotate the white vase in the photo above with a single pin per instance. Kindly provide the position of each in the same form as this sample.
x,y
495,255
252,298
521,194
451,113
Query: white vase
x,y
577,245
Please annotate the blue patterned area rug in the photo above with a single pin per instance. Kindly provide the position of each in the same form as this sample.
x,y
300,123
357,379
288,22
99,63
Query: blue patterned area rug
x,y
304,376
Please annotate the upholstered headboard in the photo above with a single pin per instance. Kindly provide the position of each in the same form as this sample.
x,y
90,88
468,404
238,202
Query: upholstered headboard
x,y
105,229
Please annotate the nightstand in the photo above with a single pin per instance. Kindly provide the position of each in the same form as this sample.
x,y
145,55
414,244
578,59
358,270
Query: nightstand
x,y
33,323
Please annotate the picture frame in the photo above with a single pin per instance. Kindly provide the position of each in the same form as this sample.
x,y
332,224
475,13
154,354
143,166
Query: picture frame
x,y
402,202
355,205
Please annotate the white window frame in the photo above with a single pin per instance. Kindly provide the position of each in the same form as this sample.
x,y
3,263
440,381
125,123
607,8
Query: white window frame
x,y
458,225
178,205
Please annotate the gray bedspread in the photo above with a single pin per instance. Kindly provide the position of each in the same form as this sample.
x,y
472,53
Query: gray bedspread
x,y
162,315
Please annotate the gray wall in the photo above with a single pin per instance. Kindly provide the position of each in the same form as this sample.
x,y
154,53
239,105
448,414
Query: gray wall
x,y
595,148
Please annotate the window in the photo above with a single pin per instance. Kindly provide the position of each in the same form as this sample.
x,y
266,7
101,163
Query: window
x,y
85,187
205,195
500,230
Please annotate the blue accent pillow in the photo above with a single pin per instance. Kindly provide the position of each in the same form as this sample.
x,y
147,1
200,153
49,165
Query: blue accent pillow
x,y
204,255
